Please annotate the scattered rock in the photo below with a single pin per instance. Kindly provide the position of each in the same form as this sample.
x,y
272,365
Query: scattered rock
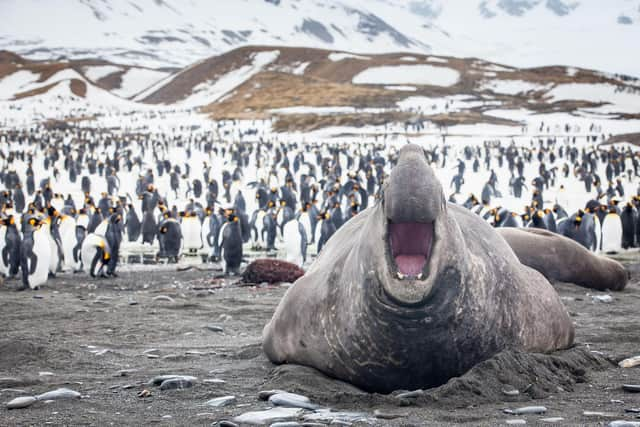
x,y
286,424
214,328
510,392
266,394
225,423
176,384
268,416
525,410
61,393
630,362
624,423
551,420
598,414
633,388
21,402
328,416
387,415
219,402
162,378
292,400
144,393
602,298
515,422
46,374
410,394
165,298
213,381
632,410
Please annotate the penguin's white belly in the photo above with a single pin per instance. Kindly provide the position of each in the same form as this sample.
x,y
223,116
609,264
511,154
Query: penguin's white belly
x,y
259,227
306,224
611,234
101,229
191,234
4,268
54,256
42,251
292,243
204,232
68,240
88,251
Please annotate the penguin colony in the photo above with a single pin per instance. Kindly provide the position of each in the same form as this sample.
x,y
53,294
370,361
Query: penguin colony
x,y
76,199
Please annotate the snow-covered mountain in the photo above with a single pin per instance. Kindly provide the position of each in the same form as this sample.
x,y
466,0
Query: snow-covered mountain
x,y
174,33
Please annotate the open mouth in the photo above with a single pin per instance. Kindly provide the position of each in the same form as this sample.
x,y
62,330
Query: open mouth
x,y
410,244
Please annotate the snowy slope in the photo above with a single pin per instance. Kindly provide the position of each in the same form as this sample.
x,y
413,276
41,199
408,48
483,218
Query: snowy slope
x,y
586,33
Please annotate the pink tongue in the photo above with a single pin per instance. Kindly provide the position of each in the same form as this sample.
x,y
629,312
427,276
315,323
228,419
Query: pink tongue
x,y
410,265
411,246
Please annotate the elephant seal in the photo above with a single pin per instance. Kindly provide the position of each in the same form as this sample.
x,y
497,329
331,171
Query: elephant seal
x,y
412,292
560,258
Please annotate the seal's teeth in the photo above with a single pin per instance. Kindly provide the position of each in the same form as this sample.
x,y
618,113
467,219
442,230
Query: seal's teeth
x,y
400,276
419,277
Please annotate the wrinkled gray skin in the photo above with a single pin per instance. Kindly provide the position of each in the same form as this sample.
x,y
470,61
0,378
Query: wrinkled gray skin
x,y
560,258
351,318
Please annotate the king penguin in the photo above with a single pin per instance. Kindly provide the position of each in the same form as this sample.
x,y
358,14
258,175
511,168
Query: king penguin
x,y
35,254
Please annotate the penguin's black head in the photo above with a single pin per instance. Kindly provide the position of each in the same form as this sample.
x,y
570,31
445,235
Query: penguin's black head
x,y
413,202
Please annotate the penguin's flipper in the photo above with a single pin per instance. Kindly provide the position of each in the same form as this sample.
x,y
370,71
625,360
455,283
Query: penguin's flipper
x,y
303,242
5,255
33,263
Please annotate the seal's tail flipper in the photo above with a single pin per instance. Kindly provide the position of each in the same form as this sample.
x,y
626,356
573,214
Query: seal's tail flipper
x,y
562,259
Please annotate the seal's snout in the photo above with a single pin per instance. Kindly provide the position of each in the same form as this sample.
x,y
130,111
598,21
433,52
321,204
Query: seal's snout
x,y
410,245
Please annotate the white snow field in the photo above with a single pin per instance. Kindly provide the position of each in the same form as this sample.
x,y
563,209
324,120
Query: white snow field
x,y
176,33
408,74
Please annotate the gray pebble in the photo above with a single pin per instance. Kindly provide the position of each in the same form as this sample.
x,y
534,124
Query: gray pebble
x,y
269,416
410,394
225,423
602,298
510,391
213,381
328,416
387,415
624,423
292,400
529,410
61,393
551,420
176,384
632,410
286,424
219,402
163,298
214,328
516,422
266,394
21,402
633,388
162,378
